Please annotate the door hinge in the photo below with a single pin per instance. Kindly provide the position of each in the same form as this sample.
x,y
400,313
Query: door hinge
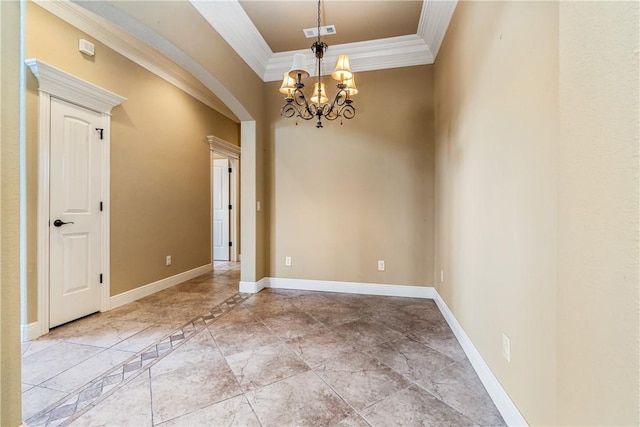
x,y
100,277
100,206
230,244
101,131
230,207
229,170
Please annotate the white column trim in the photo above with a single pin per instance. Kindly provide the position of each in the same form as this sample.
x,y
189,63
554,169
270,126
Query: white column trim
x,y
248,200
44,118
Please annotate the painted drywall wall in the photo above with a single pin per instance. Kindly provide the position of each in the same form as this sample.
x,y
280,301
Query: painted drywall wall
x,y
496,95
160,174
537,211
168,19
345,196
598,280
10,67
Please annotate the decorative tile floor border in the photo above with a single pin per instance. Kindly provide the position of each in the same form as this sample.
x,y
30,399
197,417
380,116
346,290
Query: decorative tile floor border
x,y
86,397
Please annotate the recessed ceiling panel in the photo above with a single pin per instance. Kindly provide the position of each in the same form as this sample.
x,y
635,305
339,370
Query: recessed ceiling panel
x,y
281,22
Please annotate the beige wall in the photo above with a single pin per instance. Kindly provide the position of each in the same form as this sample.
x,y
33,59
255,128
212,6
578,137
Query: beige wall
x,y
537,201
160,177
10,30
496,126
169,19
344,197
598,280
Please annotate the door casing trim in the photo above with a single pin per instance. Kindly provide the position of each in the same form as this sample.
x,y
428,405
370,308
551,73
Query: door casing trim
x,y
53,82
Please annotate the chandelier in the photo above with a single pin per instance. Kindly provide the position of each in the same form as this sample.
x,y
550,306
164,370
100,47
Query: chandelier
x,y
318,105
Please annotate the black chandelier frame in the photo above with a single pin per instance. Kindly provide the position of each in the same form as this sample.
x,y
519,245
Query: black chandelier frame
x,y
296,104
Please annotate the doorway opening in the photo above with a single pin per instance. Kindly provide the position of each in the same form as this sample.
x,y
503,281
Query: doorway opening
x,y
225,201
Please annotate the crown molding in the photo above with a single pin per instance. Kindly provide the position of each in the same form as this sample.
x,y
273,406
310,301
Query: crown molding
x,y
230,20
434,21
224,147
63,85
232,23
134,49
393,52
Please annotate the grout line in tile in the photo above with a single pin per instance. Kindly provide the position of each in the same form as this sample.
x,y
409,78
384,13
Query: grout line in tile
x,y
131,368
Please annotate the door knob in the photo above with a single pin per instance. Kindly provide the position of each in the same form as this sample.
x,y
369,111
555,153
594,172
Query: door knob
x,y
59,223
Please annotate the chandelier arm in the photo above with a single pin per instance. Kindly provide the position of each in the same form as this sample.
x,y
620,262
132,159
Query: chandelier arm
x,y
348,111
343,109
290,110
301,101
339,100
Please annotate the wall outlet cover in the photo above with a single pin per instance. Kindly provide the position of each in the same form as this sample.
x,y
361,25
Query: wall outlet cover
x,y
506,347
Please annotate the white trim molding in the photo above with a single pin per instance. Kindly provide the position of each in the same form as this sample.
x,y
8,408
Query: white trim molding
x,y
394,52
160,285
223,147
30,331
434,21
63,85
252,287
134,49
501,399
53,82
350,287
230,20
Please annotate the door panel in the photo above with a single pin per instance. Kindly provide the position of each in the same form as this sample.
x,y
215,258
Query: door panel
x,y
75,260
74,252
221,210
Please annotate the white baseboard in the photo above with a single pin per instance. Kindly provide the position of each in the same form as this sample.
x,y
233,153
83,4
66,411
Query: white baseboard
x,y
152,288
30,331
351,287
253,287
500,398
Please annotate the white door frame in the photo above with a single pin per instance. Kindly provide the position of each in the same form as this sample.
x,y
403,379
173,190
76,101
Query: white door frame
x,y
53,82
232,153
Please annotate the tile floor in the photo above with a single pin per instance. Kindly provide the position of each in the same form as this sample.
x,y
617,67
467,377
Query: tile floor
x,y
200,353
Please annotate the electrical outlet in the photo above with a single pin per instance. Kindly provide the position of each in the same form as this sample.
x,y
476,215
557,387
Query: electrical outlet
x,y
441,276
506,347
258,205
287,261
168,261
380,265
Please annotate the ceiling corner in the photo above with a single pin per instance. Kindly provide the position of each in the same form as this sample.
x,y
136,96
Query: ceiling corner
x,y
434,21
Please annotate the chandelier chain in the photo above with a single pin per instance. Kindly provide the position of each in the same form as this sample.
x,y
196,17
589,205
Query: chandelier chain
x,y
319,12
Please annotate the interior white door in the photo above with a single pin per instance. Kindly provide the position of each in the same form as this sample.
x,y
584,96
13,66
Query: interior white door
x,y
221,210
74,203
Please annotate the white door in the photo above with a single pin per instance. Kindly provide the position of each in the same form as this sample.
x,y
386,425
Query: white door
x,y
221,210
74,226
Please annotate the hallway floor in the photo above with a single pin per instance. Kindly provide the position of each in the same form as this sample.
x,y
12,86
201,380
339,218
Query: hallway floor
x,y
199,353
